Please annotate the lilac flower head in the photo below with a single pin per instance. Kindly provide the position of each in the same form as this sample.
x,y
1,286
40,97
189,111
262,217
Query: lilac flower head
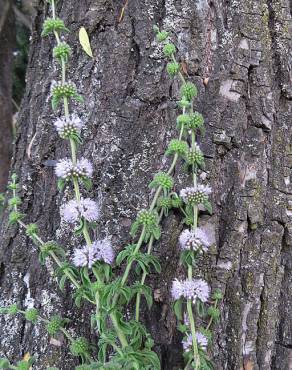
x,y
85,256
67,126
202,290
65,168
202,341
190,289
83,167
74,210
194,240
195,195
104,250
100,250
176,289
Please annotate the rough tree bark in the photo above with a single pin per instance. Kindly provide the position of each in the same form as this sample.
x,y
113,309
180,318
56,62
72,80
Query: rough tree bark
x,y
239,49
7,41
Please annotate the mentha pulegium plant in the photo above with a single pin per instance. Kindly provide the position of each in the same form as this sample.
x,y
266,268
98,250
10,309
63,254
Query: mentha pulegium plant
x,y
124,341
191,294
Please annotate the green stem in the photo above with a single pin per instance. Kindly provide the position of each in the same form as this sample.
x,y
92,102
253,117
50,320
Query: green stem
x,y
149,250
76,189
86,234
138,298
180,74
53,255
128,268
73,152
119,331
211,318
192,324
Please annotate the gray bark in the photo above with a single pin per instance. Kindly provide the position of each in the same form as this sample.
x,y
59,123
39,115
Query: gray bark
x,y
7,41
237,53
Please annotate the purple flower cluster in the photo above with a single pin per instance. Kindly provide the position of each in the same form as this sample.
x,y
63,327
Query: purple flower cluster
x,y
202,341
66,168
194,240
73,210
195,194
100,250
67,126
190,289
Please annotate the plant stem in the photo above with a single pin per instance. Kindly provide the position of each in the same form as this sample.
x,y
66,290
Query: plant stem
x,y
149,250
54,257
192,324
211,318
119,331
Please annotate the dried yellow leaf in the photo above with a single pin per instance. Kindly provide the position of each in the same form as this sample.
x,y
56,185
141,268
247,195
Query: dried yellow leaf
x,y
84,41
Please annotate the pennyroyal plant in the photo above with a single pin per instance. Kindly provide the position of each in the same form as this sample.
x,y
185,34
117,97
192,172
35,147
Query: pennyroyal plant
x,y
123,340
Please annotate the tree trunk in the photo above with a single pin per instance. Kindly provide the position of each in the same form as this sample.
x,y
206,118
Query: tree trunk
x,y
7,42
236,52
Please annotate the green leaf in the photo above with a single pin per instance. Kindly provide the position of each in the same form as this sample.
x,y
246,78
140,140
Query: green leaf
x,y
146,291
61,184
79,229
128,251
134,228
84,41
55,102
208,206
4,364
177,307
86,181
156,232
200,307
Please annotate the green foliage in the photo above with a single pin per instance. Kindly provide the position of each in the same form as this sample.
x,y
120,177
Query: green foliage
x,y
189,91
214,312
53,25
196,121
176,146
25,365
173,68
62,52
31,230
10,310
14,202
55,324
184,103
195,157
2,200
66,90
149,220
169,49
14,217
50,247
162,179
80,347
162,36
217,295
4,363
183,120
32,315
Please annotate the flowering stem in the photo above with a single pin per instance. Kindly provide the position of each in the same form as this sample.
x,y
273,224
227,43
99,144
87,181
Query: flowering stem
x,y
128,268
73,151
53,255
35,238
192,324
149,250
119,331
138,298
46,321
